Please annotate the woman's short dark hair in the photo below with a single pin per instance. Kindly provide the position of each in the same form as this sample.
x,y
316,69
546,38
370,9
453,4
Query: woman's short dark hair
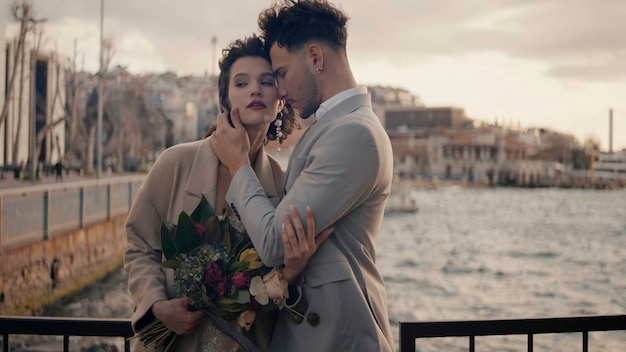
x,y
293,23
249,47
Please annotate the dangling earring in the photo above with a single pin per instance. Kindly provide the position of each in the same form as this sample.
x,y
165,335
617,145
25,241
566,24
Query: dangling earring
x,y
279,131
319,69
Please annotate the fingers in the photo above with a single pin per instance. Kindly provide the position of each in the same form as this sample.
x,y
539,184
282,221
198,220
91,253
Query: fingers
x,y
323,236
236,119
222,120
196,318
300,234
310,225
290,242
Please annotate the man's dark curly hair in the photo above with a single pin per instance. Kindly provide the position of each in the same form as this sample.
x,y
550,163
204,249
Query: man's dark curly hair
x,y
294,23
249,47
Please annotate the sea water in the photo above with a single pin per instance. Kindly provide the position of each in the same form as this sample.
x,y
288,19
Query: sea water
x,y
480,253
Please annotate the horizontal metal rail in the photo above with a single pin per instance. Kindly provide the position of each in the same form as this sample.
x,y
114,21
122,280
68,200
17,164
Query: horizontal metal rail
x,y
66,327
409,331
39,212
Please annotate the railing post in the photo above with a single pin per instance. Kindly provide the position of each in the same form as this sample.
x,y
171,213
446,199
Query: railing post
x,y
46,213
585,341
1,221
130,194
472,343
530,342
407,340
81,207
108,201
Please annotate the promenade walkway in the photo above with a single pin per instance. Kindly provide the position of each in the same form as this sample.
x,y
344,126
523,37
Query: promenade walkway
x,y
10,182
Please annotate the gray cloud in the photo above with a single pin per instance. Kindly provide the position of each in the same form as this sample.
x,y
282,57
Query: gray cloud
x,y
578,39
563,34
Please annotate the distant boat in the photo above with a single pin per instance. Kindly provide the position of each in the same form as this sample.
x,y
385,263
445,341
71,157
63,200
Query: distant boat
x,y
401,200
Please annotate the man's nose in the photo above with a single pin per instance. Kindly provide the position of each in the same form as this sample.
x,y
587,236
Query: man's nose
x,y
282,92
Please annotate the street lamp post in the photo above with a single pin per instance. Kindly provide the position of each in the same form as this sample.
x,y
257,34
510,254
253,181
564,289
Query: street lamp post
x,y
100,99
213,43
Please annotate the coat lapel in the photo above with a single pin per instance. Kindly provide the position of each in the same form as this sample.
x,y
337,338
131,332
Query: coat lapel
x,y
202,177
269,178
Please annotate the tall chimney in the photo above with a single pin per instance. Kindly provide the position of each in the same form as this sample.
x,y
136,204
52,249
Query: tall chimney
x,y
610,130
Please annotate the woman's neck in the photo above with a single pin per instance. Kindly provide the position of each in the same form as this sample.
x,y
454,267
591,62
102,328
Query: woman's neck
x,y
257,140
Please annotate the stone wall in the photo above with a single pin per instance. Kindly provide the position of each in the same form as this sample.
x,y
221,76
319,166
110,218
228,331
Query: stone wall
x,y
37,274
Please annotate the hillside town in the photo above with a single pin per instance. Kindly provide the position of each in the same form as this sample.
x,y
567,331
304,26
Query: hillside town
x,y
51,110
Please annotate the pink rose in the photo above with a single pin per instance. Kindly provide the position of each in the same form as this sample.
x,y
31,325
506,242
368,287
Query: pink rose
x,y
201,231
242,279
224,286
213,274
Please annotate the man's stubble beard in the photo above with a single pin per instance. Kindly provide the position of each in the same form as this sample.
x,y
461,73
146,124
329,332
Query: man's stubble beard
x,y
310,93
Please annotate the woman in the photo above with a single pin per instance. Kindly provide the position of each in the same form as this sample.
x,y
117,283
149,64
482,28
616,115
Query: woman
x,y
185,172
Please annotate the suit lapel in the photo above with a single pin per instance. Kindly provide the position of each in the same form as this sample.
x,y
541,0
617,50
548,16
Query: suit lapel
x,y
342,109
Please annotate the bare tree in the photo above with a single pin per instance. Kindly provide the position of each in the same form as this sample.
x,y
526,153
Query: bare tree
x,y
90,120
56,98
21,12
76,125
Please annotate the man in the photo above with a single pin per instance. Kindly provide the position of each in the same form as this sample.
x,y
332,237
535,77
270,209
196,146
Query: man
x,y
341,168
58,169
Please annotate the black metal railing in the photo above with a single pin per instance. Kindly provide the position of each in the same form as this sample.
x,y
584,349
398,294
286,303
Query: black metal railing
x,y
409,331
66,327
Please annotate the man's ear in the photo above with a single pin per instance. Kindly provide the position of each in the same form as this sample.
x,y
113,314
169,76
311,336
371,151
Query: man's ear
x,y
315,54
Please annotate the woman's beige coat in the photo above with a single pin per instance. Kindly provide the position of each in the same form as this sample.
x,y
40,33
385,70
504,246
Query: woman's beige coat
x,y
176,182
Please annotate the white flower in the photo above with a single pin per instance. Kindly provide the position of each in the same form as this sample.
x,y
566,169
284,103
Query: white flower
x,y
246,318
258,290
276,287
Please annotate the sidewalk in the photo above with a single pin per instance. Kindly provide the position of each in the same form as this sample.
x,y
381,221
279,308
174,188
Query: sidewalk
x,y
10,182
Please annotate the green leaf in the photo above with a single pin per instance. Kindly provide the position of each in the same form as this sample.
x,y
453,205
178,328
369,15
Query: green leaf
x,y
171,263
241,296
167,239
214,231
186,237
236,266
228,305
239,241
203,211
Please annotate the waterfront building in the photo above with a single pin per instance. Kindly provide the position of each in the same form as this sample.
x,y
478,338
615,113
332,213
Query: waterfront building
x,y
36,108
489,154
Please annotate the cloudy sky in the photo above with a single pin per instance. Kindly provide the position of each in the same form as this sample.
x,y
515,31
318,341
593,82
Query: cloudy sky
x,y
549,63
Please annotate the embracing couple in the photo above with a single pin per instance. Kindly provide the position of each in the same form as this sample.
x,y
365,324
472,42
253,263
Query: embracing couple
x,y
338,179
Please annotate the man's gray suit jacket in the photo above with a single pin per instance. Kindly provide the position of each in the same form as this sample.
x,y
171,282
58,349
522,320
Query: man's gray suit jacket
x,y
342,168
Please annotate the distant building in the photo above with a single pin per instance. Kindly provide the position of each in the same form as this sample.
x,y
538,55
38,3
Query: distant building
x,y
47,110
412,117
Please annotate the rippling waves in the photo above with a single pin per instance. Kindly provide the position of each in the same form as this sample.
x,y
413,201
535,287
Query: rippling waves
x,y
483,254
508,253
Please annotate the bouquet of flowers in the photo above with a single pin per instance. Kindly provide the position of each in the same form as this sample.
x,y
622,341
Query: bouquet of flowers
x,y
217,268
